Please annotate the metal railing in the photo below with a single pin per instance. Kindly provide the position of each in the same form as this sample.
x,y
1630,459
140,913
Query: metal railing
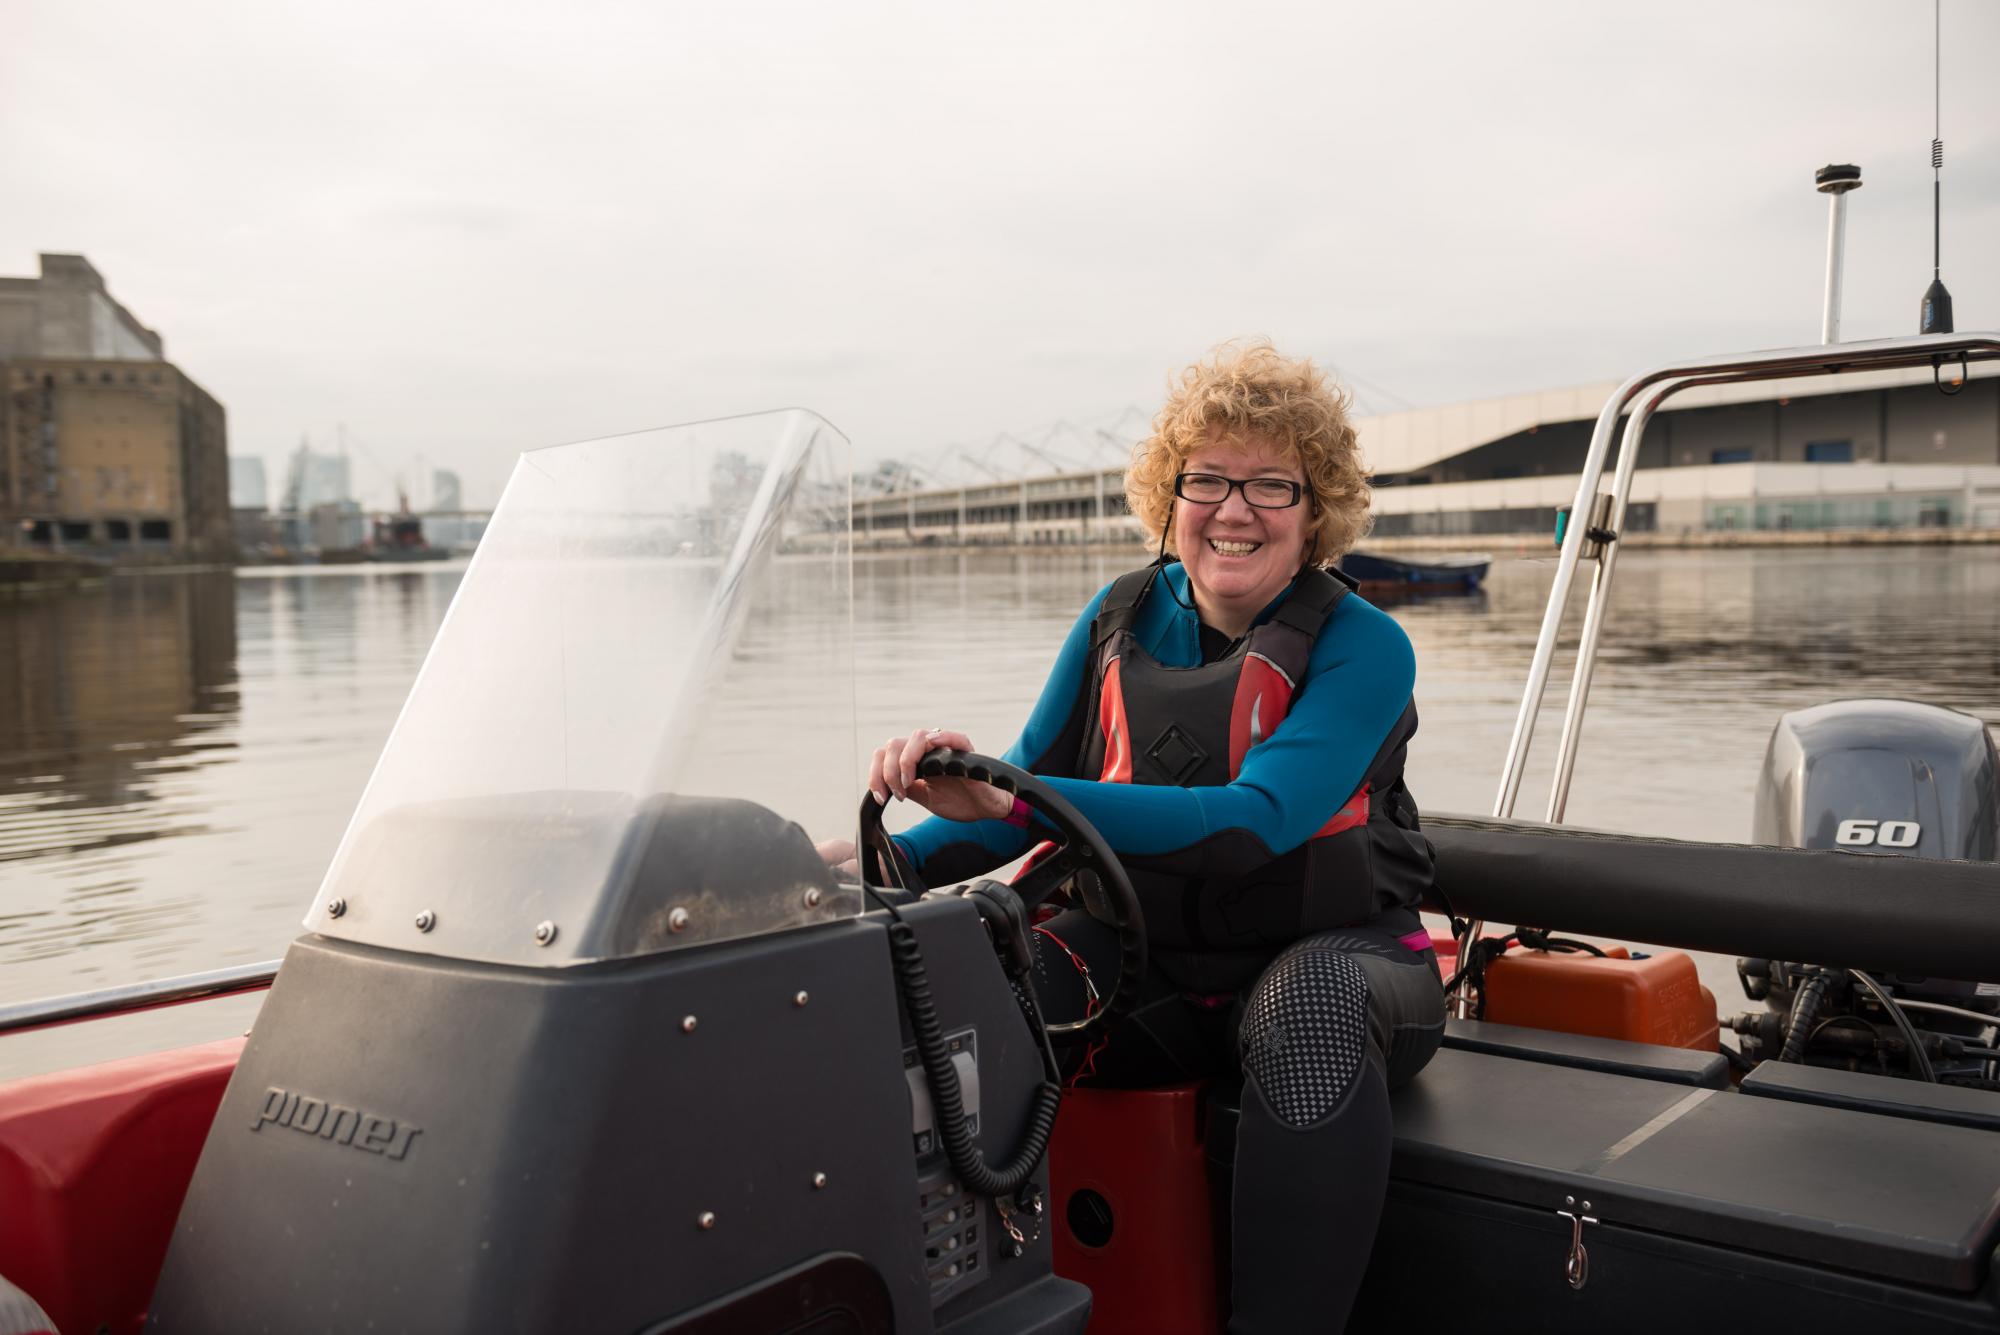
x,y
1637,400
132,997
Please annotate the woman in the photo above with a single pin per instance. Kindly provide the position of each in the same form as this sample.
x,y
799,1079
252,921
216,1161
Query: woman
x,y
1234,725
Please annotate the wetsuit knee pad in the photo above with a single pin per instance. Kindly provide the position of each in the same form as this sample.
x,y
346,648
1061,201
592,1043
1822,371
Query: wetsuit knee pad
x,y
1305,1031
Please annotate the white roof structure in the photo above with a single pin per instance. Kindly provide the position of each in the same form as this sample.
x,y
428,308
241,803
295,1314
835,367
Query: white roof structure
x,y
1408,441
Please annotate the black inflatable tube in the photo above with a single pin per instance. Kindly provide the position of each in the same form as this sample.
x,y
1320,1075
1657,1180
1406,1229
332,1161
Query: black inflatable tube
x,y
1905,915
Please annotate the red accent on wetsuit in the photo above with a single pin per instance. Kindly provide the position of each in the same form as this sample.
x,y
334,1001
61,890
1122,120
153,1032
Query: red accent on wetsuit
x,y
1117,732
1263,695
1349,816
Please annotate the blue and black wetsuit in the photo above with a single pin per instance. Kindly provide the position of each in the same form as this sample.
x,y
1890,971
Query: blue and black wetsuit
x,y
1253,789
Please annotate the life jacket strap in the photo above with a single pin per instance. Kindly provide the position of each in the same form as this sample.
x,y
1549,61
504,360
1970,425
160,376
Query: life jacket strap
x,y
1313,597
1120,607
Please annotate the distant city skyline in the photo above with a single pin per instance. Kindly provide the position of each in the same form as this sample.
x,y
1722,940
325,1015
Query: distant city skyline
x,y
314,478
248,488
506,229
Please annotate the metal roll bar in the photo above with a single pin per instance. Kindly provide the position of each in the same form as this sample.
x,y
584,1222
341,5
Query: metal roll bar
x,y
1886,354
136,997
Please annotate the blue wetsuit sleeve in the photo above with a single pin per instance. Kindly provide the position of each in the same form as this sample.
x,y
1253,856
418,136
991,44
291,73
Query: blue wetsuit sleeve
x,y
1359,680
947,850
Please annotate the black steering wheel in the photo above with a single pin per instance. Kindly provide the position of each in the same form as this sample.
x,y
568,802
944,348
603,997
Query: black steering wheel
x,y
1080,861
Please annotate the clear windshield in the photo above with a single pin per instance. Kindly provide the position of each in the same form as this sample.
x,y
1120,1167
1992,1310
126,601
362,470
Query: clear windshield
x,y
577,716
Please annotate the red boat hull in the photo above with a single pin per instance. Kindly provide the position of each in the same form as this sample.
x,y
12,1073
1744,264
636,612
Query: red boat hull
x,y
94,1164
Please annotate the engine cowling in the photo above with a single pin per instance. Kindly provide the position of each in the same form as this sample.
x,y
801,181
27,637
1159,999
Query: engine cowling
x,y
1884,776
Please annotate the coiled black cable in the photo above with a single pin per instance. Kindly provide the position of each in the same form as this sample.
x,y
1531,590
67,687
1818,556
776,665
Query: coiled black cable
x,y
1805,1008
947,1102
1473,971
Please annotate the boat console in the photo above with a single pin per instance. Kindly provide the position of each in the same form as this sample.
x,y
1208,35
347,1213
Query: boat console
x,y
583,1034
424,1144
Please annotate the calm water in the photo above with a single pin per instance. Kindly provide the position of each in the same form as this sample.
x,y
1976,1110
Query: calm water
x,y
179,754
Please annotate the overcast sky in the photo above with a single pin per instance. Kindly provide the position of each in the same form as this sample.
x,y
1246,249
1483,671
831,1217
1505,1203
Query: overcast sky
x,y
468,229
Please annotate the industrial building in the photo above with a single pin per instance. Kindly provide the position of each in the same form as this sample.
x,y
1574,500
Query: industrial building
x,y
106,448
1883,451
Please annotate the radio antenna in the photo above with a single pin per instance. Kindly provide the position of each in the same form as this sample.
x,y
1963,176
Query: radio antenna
x,y
1935,317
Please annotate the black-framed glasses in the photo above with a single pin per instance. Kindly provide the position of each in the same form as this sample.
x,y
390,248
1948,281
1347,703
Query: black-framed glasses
x,y
1266,493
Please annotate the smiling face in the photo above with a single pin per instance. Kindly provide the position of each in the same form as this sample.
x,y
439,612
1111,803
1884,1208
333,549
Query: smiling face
x,y
1238,556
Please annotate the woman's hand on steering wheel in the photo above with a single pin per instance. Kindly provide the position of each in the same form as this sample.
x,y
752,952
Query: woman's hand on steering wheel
x,y
893,773
1081,857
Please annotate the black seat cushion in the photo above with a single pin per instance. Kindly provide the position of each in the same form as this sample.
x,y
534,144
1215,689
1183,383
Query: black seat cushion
x,y
1680,1066
1882,1094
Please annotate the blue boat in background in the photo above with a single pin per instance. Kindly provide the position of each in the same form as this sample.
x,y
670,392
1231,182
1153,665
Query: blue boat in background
x,y
1380,574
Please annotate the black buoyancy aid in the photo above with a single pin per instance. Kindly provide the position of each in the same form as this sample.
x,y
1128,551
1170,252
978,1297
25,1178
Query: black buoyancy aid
x,y
1189,727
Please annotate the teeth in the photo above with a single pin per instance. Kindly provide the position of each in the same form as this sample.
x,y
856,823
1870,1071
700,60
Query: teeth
x,y
1233,548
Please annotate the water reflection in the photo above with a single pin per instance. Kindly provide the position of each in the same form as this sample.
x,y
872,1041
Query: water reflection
x,y
113,697
1702,652
179,754
177,750
1911,623
106,690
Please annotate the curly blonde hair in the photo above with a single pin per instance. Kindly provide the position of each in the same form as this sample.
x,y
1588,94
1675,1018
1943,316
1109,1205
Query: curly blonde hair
x,y
1239,392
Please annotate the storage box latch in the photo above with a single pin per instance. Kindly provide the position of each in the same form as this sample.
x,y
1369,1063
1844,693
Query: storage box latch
x,y
1577,1267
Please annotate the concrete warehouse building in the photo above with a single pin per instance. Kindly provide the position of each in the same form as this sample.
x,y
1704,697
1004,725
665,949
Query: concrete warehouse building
x,y
106,449
1882,451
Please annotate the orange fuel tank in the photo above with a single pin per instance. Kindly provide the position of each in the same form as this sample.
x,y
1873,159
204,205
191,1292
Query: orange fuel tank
x,y
1653,999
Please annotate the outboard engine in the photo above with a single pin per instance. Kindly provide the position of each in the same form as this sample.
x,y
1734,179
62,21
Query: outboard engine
x,y
1884,777
1890,776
